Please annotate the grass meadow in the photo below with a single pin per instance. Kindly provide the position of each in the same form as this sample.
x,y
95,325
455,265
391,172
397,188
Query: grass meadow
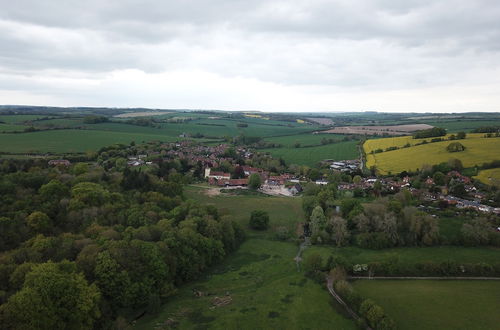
x,y
426,304
283,211
266,290
411,255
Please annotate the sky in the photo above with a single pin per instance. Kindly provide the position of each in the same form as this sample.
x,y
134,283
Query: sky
x,y
268,55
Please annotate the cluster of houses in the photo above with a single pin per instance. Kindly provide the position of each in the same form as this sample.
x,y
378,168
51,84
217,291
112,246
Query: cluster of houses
x,y
212,157
59,162
222,179
389,184
345,165
138,160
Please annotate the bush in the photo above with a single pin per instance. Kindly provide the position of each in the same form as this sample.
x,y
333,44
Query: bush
x,y
259,220
282,233
375,240
455,147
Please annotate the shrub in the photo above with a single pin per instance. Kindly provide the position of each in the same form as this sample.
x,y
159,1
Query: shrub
x,y
455,147
259,220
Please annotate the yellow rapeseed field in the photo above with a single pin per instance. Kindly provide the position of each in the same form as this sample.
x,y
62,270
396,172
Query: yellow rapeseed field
x,y
478,151
491,176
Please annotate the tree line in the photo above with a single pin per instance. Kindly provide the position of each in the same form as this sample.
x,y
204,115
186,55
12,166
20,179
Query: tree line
x,y
85,245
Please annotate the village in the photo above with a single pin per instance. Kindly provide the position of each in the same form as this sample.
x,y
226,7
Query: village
x,y
212,158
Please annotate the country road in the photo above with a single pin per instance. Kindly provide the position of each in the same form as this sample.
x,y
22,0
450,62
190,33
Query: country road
x,y
329,285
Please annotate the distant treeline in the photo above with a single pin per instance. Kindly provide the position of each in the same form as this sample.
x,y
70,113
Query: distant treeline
x,y
487,129
428,133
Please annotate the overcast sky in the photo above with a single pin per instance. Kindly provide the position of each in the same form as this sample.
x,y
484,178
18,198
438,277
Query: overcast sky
x,y
293,55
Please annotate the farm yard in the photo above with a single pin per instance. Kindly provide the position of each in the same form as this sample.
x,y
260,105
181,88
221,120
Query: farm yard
x,y
429,304
478,151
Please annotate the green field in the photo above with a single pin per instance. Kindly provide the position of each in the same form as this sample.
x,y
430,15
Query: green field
x,y
18,119
11,128
60,141
266,290
425,304
465,125
411,255
490,176
283,211
478,151
303,139
312,155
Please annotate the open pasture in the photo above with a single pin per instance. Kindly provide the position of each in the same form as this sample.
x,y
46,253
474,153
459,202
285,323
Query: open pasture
x,y
478,151
283,211
445,304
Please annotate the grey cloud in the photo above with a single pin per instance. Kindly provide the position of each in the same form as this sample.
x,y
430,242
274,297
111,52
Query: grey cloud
x,y
380,44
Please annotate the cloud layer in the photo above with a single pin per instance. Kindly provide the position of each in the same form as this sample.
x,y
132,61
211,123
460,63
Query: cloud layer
x,y
269,55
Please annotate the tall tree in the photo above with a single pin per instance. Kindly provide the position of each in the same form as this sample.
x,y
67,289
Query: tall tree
x,y
340,233
53,297
254,181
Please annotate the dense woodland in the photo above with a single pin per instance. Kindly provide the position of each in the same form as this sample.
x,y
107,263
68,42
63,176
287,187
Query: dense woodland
x,y
83,245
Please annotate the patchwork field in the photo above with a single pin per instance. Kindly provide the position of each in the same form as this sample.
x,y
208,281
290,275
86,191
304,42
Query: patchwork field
x,y
490,176
423,304
478,151
93,136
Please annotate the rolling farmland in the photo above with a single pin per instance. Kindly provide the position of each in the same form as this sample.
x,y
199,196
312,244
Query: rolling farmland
x,y
490,176
478,151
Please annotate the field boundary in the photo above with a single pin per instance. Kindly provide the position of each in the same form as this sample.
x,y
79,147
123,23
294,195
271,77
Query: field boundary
x,y
422,278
